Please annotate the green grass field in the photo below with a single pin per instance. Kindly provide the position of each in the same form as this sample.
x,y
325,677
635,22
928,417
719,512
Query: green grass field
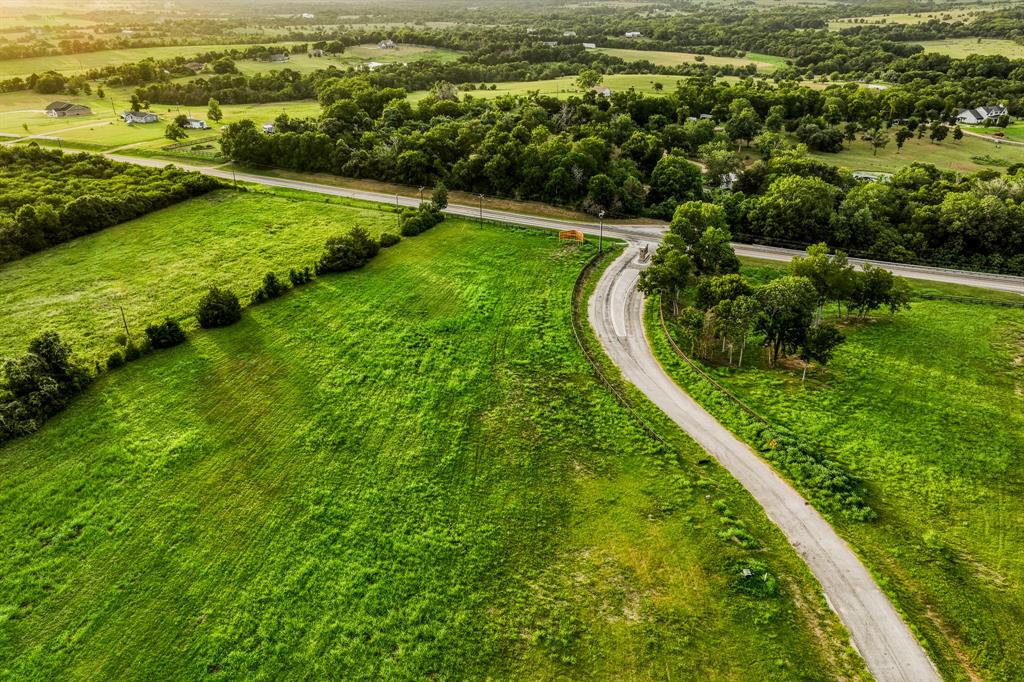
x,y
353,56
21,115
214,234
77,63
948,15
761,61
964,47
1014,131
566,87
925,409
403,472
966,156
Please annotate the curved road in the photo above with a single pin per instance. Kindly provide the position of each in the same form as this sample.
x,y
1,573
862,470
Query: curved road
x,y
890,651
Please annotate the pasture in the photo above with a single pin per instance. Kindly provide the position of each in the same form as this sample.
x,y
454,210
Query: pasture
x,y
232,237
566,87
79,63
383,475
947,15
761,61
352,56
967,156
959,48
925,409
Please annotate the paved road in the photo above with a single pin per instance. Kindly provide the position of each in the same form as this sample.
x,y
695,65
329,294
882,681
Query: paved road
x,y
891,652
650,232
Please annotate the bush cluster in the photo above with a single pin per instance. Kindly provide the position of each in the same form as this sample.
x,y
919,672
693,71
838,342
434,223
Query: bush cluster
x,y
388,239
218,308
38,385
166,334
414,221
272,287
347,252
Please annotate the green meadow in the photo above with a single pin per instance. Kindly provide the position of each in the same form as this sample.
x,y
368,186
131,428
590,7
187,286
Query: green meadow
x,y
967,155
924,408
660,58
407,471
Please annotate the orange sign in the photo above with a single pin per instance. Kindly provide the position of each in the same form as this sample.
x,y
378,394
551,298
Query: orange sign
x,y
570,236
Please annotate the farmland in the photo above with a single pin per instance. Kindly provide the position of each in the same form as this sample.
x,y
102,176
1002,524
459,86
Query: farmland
x,y
77,289
964,47
762,62
382,475
924,408
353,56
79,63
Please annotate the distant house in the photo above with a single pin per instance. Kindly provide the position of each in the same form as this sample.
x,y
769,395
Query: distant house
x,y
139,117
589,46
549,43
633,34
569,34
373,65
387,44
307,15
981,114
278,57
316,53
196,124
872,176
195,66
531,30
728,181
603,91
62,109
269,128
707,117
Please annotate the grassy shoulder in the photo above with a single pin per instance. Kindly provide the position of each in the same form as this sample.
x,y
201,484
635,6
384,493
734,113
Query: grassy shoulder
x,y
924,410
404,471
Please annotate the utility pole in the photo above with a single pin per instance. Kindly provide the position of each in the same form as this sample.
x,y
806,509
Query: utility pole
x,y
600,236
124,320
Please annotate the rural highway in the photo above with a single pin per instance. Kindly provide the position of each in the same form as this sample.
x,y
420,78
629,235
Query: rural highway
x,y
889,649
631,233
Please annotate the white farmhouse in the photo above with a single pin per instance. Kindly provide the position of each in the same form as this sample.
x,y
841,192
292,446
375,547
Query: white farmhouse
x,y
979,115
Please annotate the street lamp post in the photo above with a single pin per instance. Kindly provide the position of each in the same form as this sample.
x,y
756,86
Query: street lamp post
x,y
600,237
480,197
398,213
421,194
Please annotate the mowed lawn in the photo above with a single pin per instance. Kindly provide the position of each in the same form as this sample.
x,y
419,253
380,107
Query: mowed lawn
x,y
969,155
662,58
403,472
926,410
22,117
160,264
566,87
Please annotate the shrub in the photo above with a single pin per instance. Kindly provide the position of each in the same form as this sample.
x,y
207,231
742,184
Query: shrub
x,y
347,252
439,199
218,308
115,360
300,277
414,221
388,239
272,287
166,334
131,352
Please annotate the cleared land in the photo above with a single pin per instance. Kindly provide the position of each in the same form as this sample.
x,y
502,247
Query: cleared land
x,y
762,61
1014,131
968,155
22,115
383,475
353,56
566,87
77,63
964,47
911,18
925,408
230,238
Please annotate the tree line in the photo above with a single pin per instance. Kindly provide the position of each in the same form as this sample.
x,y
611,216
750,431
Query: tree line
x,y
47,198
